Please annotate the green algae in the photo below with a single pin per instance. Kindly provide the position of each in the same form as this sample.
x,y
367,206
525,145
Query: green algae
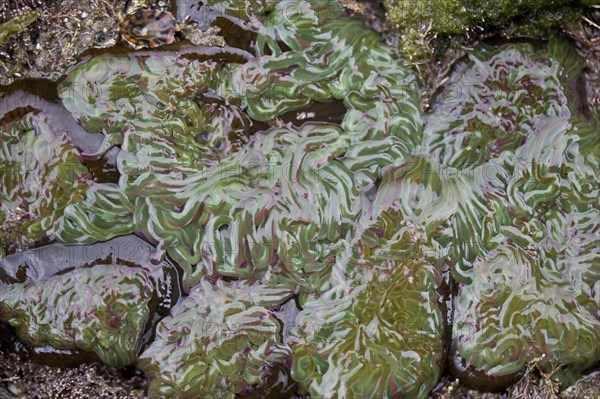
x,y
424,26
103,310
456,17
16,25
219,341
41,175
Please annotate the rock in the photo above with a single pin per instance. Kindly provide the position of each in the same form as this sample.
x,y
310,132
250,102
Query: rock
x,y
587,387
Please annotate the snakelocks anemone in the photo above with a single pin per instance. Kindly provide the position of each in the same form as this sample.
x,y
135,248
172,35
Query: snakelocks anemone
x,y
377,332
41,174
277,205
219,341
388,227
215,206
102,310
527,258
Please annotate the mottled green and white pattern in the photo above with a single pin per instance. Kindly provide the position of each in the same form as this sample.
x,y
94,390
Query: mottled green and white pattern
x,y
102,309
219,341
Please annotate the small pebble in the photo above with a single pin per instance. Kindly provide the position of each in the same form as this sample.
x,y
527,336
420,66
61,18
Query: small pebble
x,y
84,14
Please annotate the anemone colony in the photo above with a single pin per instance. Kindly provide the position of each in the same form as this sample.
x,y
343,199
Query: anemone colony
x,y
531,164
359,221
41,174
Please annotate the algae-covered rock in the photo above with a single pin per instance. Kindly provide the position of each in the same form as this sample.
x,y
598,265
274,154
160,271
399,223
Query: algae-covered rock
x,y
40,174
102,309
219,341
456,17
378,331
423,25
16,24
